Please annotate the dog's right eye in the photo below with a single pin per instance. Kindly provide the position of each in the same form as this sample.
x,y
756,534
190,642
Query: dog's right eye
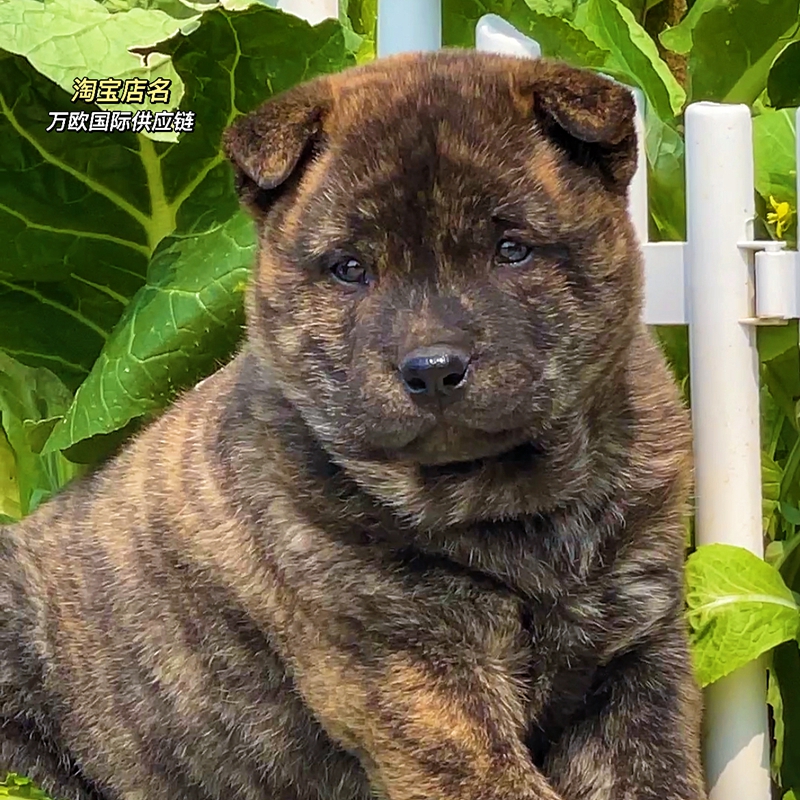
x,y
510,251
350,270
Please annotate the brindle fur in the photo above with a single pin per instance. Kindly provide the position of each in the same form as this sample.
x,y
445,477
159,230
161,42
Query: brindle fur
x,y
298,583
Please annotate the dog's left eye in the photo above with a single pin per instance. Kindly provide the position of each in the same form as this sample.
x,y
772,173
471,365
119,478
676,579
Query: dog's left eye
x,y
510,251
350,270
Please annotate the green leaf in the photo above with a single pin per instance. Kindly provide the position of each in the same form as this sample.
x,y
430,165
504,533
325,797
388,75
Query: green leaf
x,y
791,513
634,55
775,340
17,786
785,670
775,702
74,267
604,29
731,45
674,341
9,488
182,9
77,236
360,17
771,475
536,18
559,38
782,377
774,153
666,184
738,607
69,39
29,396
783,81
178,328
600,34
783,556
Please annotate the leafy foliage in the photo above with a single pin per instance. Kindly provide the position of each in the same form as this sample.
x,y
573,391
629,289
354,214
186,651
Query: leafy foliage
x,y
148,237
738,608
17,786
126,254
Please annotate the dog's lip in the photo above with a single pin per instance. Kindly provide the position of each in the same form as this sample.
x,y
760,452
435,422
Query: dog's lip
x,y
519,455
496,444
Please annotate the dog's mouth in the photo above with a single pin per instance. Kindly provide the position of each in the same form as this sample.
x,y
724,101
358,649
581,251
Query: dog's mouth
x,y
518,457
461,451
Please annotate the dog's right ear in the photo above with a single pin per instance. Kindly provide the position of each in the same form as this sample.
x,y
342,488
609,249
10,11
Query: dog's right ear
x,y
268,145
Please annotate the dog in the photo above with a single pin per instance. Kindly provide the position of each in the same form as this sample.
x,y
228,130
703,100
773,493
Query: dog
x,y
421,539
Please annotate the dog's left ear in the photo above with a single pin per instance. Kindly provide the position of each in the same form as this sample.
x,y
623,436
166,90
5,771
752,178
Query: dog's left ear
x,y
587,115
272,143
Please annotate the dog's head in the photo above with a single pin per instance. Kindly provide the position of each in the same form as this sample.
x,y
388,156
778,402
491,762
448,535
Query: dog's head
x,y
445,266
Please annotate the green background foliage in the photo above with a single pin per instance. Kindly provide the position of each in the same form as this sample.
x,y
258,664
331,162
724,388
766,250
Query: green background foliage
x,y
126,255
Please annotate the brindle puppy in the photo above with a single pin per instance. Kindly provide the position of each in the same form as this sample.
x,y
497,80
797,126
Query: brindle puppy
x,y
422,538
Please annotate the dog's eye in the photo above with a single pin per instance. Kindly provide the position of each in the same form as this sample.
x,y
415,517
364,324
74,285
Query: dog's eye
x,y
510,251
349,270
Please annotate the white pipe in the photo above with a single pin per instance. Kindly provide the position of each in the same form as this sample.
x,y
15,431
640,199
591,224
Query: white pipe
x,y
312,11
494,35
408,25
725,413
638,207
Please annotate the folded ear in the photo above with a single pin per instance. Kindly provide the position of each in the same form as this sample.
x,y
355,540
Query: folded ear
x,y
271,143
587,115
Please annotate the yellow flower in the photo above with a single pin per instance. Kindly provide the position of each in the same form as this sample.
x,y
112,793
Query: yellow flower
x,y
779,217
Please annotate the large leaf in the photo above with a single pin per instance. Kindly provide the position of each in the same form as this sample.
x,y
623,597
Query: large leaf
x,y
634,56
9,488
738,607
540,20
360,18
783,81
78,221
69,39
182,9
180,326
781,375
785,671
731,45
775,162
31,401
186,319
601,34
771,475
666,182
17,786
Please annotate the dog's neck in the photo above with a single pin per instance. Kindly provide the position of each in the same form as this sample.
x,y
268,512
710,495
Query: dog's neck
x,y
577,463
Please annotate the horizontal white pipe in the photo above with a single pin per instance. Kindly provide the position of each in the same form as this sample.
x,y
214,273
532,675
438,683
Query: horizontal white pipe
x,y
778,284
664,286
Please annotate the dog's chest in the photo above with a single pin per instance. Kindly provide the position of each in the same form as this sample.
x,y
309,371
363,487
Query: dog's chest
x,y
566,645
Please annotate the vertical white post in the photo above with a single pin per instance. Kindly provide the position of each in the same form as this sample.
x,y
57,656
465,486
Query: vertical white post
x,y
725,413
638,207
494,35
408,25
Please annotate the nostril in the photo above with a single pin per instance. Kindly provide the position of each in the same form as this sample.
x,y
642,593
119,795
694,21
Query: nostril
x,y
437,370
416,385
453,379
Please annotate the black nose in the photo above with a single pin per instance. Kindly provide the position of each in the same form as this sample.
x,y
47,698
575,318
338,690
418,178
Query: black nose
x,y
434,371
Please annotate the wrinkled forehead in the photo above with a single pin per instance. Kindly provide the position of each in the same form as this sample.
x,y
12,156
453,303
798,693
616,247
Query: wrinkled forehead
x,y
434,151
463,115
